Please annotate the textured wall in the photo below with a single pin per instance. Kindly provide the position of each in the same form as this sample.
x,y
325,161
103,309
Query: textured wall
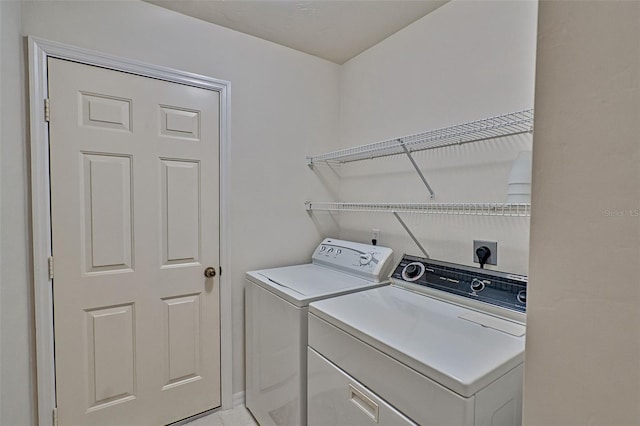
x,y
583,344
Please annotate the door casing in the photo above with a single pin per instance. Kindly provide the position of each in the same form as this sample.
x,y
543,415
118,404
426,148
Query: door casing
x,y
39,51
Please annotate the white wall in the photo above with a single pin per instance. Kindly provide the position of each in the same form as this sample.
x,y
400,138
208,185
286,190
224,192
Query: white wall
x,y
465,61
283,102
583,341
17,374
2,13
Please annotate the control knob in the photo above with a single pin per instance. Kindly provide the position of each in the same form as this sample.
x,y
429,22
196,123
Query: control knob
x,y
477,285
412,271
365,258
522,296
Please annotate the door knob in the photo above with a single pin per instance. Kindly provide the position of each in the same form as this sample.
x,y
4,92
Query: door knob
x,y
210,272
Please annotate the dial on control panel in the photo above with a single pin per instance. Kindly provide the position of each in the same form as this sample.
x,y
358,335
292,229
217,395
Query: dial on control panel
x,y
412,271
477,285
522,296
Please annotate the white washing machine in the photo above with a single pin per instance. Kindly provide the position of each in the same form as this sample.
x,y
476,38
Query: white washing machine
x,y
443,345
276,306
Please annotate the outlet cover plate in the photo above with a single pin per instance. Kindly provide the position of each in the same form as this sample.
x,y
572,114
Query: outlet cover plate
x,y
492,245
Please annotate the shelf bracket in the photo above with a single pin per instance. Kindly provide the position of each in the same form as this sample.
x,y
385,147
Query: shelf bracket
x,y
413,237
424,180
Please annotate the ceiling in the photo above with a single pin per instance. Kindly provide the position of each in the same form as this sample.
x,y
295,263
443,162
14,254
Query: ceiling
x,y
336,30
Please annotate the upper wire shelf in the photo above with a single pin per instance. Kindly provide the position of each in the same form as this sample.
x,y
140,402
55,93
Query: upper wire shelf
x,y
514,123
472,209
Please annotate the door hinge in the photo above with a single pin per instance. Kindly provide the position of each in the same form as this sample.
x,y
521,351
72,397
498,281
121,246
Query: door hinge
x,y
47,110
55,416
50,260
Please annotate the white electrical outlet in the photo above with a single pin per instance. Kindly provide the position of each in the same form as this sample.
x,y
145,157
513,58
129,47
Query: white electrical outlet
x,y
375,234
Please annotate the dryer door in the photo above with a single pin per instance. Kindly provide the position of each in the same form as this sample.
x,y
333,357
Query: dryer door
x,y
336,398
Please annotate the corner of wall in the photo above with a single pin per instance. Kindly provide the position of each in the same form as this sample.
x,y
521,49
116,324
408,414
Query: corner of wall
x,y
444,69
17,377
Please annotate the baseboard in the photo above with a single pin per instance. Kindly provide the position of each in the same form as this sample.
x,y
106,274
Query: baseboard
x,y
238,399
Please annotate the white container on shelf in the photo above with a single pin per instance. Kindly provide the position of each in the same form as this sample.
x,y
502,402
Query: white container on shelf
x,y
519,182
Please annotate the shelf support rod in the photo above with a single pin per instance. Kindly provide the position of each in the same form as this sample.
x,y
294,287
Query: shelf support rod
x,y
413,237
424,180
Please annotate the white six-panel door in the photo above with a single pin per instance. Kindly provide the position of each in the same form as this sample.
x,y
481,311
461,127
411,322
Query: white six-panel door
x,y
135,222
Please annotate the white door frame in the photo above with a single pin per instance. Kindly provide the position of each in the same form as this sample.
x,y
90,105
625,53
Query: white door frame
x,y
39,51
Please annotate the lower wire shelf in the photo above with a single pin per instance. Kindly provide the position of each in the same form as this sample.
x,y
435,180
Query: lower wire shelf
x,y
470,209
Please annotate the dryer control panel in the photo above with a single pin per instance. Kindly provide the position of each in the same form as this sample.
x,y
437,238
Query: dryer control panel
x,y
373,263
500,289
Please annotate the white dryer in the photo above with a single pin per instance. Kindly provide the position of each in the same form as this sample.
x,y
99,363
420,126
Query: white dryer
x,y
276,306
443,345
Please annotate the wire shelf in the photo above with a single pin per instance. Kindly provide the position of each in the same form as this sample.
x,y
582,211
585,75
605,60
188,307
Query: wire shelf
x,y
469,209
514,123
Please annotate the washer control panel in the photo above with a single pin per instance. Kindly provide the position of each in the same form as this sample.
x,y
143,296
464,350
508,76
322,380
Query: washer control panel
x,y
497,288
373,263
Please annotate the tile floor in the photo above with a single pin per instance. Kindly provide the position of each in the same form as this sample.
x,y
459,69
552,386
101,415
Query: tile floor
x,y
239,416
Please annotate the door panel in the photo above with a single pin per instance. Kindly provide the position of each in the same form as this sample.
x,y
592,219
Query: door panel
x,y
135,221
181,195
182,341
110,346
180,123
105,112
106,212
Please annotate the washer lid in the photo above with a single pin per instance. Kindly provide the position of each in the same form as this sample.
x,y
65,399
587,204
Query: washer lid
x,y
450,344
302,284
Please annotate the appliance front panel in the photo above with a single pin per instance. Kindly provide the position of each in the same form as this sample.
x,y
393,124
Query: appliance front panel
x,y
276,340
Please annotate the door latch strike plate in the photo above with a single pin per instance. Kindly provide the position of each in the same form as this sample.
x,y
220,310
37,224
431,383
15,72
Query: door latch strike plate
x,y
47,110
50,260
